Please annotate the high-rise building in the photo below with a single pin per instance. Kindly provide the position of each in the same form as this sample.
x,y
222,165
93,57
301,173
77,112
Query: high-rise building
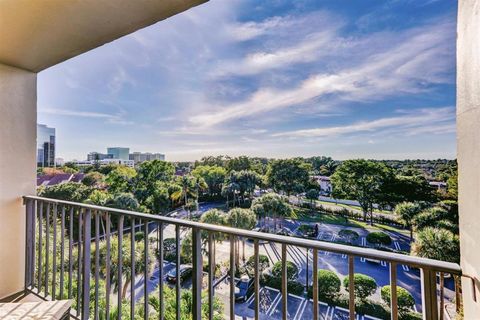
x,y
119,153
139,157
45,146
93,156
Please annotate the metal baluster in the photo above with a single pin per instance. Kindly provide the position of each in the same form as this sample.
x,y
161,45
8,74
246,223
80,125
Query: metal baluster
x,y
257,279
97,261
177,269
351,287
132,268
197,273
458,298
145,275
284,282
211,274
62,252
47,248
120,264
442,289
429,294
107,271
232,276
393,290
79,261
70,254
315,284
54,266
161,314
87,239
40,245
29,241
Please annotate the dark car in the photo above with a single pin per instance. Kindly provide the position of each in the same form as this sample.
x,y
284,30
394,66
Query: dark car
x,y
185,272
244,288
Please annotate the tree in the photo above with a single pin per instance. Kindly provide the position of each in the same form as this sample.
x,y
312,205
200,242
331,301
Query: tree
x,y
323,165
159,199
216,217
247,181
288,175
407,189
437,243
239,164
241,219
213,177
70,191
407,211
272,205
92,179
312,195
361,180
148,174
364,286
187,188
120,179
99,198
328,284
452,186
405,300
124,201
140,266
292,270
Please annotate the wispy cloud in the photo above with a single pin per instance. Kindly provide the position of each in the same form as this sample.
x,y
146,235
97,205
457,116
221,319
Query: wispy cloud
x,y
73,113
421,121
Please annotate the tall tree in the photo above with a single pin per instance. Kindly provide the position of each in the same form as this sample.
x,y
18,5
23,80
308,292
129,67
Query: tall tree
x,y
242,219
120,179
361,180
213,177
148,173
288,175
272,205
407,211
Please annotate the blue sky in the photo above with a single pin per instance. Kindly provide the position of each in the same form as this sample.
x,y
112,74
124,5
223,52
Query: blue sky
x,y
347,79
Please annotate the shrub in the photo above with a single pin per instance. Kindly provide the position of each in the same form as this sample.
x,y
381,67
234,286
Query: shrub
x,y
328,284
405,300
348,235
379,238
293,287
263,264
307,230
292,270
364,285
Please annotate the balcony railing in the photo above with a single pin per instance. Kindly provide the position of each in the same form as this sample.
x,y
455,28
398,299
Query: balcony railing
x,y
63,261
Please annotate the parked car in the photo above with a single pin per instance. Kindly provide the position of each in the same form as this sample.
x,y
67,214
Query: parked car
x,y
244,288
185,272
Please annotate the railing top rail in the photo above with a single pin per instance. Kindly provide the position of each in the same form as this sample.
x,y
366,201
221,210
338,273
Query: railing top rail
x,y
440,266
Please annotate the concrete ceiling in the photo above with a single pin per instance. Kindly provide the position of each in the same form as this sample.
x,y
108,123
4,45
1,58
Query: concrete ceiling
x,y
37,34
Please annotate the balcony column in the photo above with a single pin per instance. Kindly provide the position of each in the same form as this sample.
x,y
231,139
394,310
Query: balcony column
x,y
468,150
18,118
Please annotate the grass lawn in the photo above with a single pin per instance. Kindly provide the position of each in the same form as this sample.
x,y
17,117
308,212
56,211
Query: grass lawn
x,y
308,215
349,206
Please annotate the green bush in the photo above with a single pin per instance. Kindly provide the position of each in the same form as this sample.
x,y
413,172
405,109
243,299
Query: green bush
x,y
292,270
348,235
263,264
307,230
293,287
364,285
379,238
405,300
328,285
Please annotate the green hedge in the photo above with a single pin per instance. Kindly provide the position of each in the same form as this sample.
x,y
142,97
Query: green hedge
x,y
379,238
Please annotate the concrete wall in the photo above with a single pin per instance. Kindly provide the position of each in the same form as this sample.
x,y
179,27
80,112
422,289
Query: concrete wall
x,y
18,118
468,144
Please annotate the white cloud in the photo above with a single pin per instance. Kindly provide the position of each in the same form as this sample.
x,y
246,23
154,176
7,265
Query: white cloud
x,y
73,113
422,121
419,58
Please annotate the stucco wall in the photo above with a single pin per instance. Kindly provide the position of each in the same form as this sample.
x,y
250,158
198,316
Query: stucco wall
x,y
18,117
468,144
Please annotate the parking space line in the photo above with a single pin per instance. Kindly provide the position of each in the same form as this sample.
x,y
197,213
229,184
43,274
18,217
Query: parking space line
x,y
300,309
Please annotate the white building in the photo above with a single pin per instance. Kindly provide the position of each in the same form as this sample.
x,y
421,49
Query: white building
x,y
104,162
139,157
324,183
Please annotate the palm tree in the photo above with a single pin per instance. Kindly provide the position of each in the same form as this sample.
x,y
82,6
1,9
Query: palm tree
x,y
200,185
242,219
187,188
438,244
140,266
216,217
407,211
